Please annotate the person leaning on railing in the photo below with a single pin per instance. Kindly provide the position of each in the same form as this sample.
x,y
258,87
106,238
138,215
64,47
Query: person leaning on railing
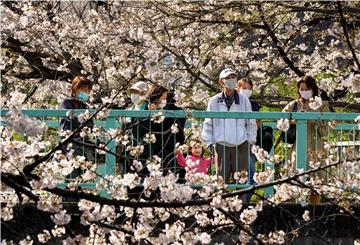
x,y
231,137
195,160
307,90
164,145
264,136
80,90
137,94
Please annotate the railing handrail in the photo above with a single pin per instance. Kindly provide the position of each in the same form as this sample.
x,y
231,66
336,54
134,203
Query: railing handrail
x,y
301,129
328,116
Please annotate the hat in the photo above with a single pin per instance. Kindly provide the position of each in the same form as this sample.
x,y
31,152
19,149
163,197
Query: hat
x,y
226,72
141,87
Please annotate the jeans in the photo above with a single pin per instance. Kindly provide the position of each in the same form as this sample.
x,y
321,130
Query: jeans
x,y
251,168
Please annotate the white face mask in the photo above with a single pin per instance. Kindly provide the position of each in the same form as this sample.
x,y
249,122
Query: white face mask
x,y
306,94
136,98
162,104
230,83
246,92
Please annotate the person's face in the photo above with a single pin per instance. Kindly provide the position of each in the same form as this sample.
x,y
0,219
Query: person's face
x,y
303,87
136,97
231,76
163,97
83,89
244,85
197,150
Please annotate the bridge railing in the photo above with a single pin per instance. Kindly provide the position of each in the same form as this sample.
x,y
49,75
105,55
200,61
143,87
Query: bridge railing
x,y
317,134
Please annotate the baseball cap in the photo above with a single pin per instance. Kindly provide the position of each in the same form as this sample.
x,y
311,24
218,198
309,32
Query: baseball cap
x,y
226,72
141,87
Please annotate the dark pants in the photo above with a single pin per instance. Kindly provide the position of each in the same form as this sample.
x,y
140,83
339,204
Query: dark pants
x,y
232,159
251,173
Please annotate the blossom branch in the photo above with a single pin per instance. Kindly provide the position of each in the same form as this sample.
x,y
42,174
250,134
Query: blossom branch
x,y
344,26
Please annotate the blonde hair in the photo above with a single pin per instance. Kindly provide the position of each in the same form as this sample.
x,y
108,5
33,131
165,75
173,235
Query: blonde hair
x,y
79,82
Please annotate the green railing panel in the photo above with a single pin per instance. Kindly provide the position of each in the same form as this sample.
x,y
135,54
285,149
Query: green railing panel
x,y
82,185
111,158
109,167
200,114
301,144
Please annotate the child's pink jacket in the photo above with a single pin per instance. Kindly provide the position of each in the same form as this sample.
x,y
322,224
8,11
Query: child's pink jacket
x,y
201,168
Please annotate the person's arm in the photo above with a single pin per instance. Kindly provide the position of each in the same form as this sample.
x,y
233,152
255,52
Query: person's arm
x,y
208,127
290,108
68,123
251,127
181,159
323,125
67,104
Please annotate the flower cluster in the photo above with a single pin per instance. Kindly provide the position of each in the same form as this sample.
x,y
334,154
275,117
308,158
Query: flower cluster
x,y
283,124
150,138
315,103
158,117
264,177
25,125
135,150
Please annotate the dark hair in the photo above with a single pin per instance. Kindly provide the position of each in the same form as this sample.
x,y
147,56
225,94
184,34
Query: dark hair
x,y
245,80
155,92
79,82
196,142
310,83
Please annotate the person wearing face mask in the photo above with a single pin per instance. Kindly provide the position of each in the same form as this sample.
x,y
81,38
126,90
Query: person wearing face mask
x,y
157,100
232,138
80,94
316,130
138,96
245,86
264,136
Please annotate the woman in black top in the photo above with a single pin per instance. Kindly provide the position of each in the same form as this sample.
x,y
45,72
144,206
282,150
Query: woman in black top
x,y
80,90
165,140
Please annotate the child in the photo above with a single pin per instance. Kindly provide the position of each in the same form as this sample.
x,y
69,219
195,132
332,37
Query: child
x,y
196,152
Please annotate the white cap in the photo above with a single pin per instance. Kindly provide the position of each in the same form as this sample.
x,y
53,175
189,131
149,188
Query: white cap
x,y
226,72
141,87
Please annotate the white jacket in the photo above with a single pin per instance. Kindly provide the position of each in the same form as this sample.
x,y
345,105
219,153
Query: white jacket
x,y
229,132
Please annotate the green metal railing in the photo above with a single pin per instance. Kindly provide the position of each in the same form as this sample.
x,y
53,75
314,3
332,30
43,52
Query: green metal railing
x,y
345,131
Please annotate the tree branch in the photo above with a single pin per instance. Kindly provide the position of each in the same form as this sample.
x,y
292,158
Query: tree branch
x,y
281,51
344,25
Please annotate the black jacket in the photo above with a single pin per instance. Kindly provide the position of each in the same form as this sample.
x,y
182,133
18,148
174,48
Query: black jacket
x,y
72,123
68,123
164,147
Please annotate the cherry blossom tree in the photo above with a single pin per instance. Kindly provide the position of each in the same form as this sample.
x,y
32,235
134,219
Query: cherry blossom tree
x,y
182,45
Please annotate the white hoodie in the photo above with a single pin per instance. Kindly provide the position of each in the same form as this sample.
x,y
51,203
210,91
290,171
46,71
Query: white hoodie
x,y
229,132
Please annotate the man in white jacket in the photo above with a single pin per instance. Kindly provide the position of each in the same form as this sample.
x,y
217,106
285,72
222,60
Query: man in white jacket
x,y
231,137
